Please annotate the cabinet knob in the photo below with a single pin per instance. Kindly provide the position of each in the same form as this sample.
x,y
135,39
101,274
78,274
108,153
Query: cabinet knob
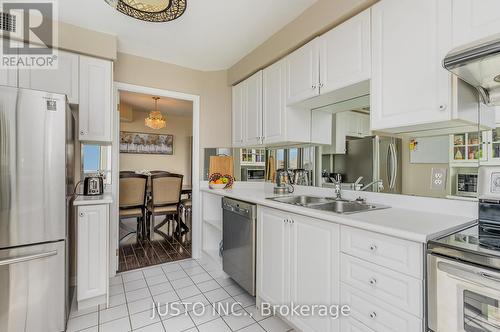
x,y
373,281
373,315
373,248
82,214
442,107
321,85
314,87
82,132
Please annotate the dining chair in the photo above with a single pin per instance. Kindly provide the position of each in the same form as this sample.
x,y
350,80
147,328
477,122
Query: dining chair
x,y
166,190
133,201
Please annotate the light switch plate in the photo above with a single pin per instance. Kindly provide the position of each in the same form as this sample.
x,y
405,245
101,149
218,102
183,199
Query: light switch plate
x,y
438,178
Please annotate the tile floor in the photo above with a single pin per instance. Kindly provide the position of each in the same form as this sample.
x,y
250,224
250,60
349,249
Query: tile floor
x,y
197,288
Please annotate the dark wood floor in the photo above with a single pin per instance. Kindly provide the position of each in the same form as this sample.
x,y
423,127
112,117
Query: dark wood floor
x,y
163,248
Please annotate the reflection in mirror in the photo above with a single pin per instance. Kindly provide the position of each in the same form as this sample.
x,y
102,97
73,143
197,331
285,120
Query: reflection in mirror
x,y
96,159
299,162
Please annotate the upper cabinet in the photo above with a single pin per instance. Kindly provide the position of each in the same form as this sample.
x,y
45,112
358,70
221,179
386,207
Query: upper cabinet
x,y
409,85
237,114
474,20
252,124
62,80
95,111
345,54
303,73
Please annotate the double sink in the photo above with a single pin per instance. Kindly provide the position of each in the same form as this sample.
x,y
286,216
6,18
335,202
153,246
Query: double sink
x,y
341,206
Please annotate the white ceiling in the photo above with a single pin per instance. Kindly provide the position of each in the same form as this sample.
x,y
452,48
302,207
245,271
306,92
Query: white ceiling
x,y
168,106
211,35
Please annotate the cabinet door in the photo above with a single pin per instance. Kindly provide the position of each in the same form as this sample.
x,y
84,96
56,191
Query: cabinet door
x,y
237,112
274,103
473,20
364,125
253,110
62,80
92,251
345,56
409,85
8,77
272,256
303,73
314,270
95,111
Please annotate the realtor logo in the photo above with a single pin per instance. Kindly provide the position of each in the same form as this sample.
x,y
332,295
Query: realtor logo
x,y
29,34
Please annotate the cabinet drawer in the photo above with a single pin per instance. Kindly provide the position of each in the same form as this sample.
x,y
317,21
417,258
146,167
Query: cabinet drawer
x,y
391,287
396,254
349,324
376,314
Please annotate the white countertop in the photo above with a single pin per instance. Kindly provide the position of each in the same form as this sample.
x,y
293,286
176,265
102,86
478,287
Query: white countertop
x,y
413,225
106,198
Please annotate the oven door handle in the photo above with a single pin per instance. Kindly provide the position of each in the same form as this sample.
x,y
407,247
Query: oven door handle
x,y
478,277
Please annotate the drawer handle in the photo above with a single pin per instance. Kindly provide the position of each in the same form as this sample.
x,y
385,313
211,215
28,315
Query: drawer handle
x,y
373,315
373,281
373,248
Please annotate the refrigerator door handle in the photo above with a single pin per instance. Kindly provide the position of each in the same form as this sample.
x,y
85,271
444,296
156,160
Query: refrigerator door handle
x,y
394,166
388,169
20,259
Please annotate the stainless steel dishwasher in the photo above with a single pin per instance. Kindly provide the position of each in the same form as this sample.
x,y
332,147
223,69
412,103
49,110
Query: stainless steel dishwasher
x,y
238,248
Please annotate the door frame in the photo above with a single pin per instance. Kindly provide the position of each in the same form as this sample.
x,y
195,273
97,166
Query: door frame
x,y
195,180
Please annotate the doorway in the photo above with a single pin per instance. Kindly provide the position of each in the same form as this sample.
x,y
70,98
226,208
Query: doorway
x,y
149,151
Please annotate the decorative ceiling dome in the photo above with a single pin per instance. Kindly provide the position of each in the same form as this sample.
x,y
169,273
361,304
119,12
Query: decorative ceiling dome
x,y
150,10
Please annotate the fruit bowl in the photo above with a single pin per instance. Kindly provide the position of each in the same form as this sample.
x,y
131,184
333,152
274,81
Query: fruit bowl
x,y
219,181
216,185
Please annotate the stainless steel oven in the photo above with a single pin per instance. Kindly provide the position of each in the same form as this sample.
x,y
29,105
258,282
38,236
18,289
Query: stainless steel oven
x,y
462,297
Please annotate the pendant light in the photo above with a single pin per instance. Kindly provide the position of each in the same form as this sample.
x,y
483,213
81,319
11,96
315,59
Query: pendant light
x,y
155,120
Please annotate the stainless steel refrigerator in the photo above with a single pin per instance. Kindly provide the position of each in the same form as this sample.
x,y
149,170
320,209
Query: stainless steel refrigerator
x,y
375,158
36,153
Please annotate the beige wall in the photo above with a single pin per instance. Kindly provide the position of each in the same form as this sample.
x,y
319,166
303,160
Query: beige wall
x,y
179,162
317,19
89,42
215,94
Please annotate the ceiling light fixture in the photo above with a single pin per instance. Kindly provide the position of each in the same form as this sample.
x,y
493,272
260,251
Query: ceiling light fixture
x,y
150,10
155,120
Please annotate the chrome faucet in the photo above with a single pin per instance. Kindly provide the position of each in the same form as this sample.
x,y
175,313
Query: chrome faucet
x,y
337,188
379,182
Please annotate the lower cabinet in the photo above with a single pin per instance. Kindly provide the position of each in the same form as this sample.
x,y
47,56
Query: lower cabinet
x,y
297,263
92,254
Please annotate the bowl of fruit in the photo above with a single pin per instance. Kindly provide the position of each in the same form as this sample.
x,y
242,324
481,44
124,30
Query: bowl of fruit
x,y
219,181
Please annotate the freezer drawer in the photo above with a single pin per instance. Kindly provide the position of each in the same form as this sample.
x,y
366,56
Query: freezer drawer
x,y
33,288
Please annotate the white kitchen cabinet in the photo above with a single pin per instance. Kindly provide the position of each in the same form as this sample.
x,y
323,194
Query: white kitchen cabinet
x,y
290,270
92,254
95,96
8,77
303,72
474,20
280,123
252,124
344,124
63,79
345,56
409,86
237,114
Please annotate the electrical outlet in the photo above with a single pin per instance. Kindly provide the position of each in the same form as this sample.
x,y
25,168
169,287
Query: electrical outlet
x,y
438,179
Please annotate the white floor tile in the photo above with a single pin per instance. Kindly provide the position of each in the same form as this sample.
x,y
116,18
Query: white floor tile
x,y
208,285
202,277
227,306
174,309
165,298
225,281
255,313
115,300
155,280
116,289
135,285
132,276
161,288
188,292
194,270
117,280
181,283
253,328
179,323
195,300
202,315
152,272
158,327
137,294
234,290
217,325
82,322
238,320
75,313
143,319
176,275
194,329
119,325
141,305
171,267
216,295
113,313
274,324
245,299
188,263
91,329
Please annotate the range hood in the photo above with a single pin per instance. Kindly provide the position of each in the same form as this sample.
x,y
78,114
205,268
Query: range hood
x,y
478,65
